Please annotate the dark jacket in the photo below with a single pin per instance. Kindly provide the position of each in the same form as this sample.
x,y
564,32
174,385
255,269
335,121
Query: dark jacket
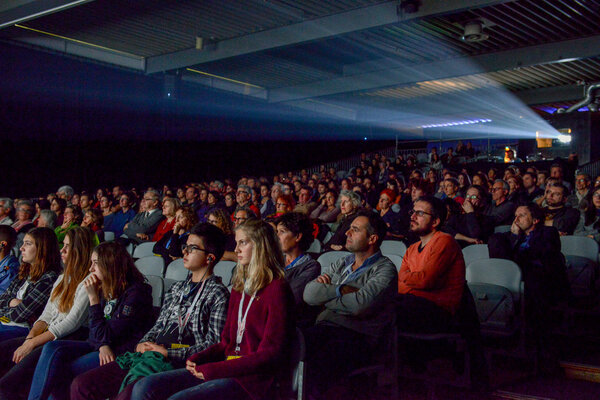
x,y
565,219
130,319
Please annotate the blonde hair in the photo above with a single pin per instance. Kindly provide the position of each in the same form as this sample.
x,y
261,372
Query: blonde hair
x,y
267,261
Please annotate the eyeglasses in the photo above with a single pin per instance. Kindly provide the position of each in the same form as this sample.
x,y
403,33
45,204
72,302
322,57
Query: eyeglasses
x,y
496,189
240,218
596,195
419,213
189,248
472,197
582,180
241,192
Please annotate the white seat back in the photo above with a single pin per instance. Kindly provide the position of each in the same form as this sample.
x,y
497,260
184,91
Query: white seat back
x,y
393,247
396,259
326,259
496,271
224,270
475,252
109,236
151,265
582,246
143,250
315,247
158,289
176,271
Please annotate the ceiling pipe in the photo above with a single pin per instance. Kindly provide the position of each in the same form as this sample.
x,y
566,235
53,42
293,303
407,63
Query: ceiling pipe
x,y
589,97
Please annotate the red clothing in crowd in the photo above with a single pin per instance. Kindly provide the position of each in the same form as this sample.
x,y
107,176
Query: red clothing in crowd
x,y
270,325
437,272
163,228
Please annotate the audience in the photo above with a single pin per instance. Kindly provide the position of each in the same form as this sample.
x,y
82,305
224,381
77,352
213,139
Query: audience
x,y
557,214
169,247
142,227
349,203
169,210
119,219
5,211
9,264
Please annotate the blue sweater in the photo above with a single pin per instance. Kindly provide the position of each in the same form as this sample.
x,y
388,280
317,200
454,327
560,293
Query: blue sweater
x,y
118,221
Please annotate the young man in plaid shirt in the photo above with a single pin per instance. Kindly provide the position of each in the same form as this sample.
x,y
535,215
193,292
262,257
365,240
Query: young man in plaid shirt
x,y
191,319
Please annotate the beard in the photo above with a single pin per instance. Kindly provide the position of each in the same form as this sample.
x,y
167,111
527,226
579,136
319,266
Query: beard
x,y
421,231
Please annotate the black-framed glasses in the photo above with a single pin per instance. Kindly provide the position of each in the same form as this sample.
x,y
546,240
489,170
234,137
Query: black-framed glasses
x,y
472,197
190,248
419,213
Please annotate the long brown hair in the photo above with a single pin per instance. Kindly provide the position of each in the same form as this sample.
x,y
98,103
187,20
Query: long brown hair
x,y
77,265
118,269
267,261
47,257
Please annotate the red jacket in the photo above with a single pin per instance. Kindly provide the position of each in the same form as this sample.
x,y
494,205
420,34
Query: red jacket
x,y
265,347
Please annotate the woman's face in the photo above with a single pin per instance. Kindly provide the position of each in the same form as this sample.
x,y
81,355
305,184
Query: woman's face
x,y
287,239
168,208
75,200
330,200
596,199
54,206
243,247
264,191
477,180
87,220
104,203
95,268
66,249
512,184
281,205
384,202
345,185
346,205
69,215
28,249
229,200
461,180
181,219
180,193
99,194
212,200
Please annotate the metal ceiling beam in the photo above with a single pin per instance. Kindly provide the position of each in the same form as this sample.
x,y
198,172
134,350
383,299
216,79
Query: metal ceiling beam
x,y
316,29
389,73
555,94
63,46
19,11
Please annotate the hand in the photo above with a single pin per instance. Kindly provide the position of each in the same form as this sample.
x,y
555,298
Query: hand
x,y
106,355
514,229
474,241
337,247
191,367
14,302
143,347
157,348
468,207
22,352
197,374
175,227
324,279
346,289
92,287
126,225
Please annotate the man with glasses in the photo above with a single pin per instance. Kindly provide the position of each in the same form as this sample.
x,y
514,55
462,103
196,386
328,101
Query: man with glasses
x,y
241,215
5,209
500,209
243,198
144,224
471,226
432,276
582,186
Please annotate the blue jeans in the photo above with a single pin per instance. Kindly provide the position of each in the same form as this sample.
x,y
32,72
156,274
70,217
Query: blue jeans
x,y
10,332
180,384
59,362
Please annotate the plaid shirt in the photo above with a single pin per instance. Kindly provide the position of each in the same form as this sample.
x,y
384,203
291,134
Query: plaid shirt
x,y
35,298
208,318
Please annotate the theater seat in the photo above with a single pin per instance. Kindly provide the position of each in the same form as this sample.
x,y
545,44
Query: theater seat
x,y
393,247
151,265
176,271
475,252
224,270
326,259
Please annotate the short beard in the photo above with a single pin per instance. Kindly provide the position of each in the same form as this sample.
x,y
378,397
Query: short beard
x,y
422,232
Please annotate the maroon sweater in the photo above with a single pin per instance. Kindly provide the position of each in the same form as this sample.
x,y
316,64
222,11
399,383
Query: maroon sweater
x,y
265,346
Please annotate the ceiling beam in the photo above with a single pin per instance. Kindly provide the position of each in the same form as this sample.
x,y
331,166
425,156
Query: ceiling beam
x,y
68,47
316,29
19,11
393,74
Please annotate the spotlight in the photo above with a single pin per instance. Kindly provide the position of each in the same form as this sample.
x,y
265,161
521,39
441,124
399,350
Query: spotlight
x,y
564,138
474,32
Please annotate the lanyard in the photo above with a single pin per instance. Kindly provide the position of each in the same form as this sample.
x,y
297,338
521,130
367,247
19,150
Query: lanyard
x,y
183,322
241,322
168,245
109,308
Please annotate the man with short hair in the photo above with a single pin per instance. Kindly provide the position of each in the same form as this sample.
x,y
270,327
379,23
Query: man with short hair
x,y
85,202
118,219
432,276
500,208
354,292
557,214
305,206
191,197
556,171
531,190
243,197
117,192
5,210
144,224
9,264
370,194
241,215
582,187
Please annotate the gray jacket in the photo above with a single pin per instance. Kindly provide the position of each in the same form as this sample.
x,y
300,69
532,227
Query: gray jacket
x,y
141,223
366,311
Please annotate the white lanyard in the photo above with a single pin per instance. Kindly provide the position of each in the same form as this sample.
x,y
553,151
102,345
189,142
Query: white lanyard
x,y
183,323
241,322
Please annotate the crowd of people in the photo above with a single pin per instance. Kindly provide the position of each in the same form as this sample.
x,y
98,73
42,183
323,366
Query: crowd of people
x,y
76,315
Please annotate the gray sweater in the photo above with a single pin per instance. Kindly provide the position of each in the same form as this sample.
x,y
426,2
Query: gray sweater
x,y
365,311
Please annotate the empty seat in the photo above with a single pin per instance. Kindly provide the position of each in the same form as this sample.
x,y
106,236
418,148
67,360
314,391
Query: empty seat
x,y
158,289
502,229
326,259
393,247
315,247
581,254
224,270
143,250
475,252
109,236
151,265
176,271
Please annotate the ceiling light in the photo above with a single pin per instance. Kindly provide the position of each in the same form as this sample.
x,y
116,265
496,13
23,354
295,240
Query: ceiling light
x,y
474,32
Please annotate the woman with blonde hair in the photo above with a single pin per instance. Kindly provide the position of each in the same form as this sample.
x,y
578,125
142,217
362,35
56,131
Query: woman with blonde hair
x,y
254,344
63,316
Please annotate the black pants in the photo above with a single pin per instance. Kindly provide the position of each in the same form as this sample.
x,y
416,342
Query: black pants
x,y
331,353
16,378
418,315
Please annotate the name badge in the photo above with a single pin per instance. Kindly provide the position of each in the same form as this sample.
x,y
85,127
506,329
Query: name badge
x,y
233,357
179,346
